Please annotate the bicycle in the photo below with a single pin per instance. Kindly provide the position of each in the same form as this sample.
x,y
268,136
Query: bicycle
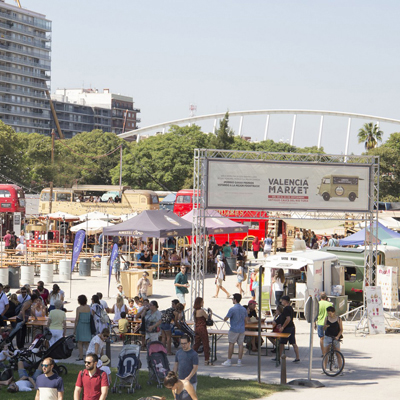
x,y
333,361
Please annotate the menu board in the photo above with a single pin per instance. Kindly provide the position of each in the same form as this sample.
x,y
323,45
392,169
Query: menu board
x,y
376,320
387,280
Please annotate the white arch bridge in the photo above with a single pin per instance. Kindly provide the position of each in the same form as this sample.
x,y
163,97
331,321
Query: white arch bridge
x,y
136,134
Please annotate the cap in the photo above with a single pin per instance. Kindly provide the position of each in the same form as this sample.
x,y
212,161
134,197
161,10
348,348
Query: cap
x,y
105,360
252,302
219,257
286,298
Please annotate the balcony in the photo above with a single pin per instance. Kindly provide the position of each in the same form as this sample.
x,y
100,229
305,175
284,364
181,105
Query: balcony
x,y
27,124
31,104
39,85
25,114
14,28
18,60
25,73
15,49
45,25
33,43
6,89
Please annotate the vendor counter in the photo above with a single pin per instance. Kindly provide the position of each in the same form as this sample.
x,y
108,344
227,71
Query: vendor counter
x,y
130,279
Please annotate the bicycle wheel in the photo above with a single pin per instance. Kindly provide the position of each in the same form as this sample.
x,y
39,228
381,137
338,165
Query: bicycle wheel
x,y
333,363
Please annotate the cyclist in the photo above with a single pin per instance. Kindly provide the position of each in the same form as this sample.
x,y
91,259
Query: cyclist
x,y
333,330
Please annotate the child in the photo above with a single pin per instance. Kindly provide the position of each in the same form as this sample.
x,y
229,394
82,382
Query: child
x,y
5,355
123,325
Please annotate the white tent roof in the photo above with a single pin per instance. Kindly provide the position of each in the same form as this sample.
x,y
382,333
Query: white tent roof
x,y
97,215
125,217
92,226
60,216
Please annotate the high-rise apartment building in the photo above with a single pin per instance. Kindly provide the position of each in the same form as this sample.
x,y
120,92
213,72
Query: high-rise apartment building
x,y
25,65
123,114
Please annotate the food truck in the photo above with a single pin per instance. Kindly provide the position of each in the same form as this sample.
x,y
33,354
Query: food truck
x,y
307,273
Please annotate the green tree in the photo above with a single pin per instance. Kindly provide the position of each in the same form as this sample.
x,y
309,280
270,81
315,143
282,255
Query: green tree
x,y
224,136
370,135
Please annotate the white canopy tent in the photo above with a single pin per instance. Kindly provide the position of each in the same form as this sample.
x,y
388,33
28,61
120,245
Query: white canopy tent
x,y
97,215
91,226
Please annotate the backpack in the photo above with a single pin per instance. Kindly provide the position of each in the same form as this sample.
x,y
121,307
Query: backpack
x,y
104,318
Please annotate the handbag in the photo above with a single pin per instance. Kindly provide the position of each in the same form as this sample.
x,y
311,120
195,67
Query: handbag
x,y
209,321
92,325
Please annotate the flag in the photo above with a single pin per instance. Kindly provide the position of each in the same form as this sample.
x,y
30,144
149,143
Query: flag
x,y
78,244
114,255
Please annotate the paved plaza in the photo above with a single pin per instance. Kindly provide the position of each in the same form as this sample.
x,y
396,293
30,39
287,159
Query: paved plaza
x,y
372,362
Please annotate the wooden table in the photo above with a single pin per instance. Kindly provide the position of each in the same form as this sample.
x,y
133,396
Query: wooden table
x,y
216,334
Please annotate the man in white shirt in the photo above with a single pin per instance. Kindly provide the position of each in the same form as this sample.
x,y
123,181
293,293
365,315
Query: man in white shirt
x,y
3,305
20,250
102,302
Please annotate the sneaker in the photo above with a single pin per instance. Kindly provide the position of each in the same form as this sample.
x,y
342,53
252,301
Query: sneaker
x,y
296,360
239,363
227,363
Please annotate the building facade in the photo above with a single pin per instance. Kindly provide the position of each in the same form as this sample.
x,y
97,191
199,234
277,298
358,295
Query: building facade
x,y
124,116
25,66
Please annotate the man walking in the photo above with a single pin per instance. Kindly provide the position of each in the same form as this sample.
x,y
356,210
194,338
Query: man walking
x,y
181,285
237,315
187,362
49,385
288,327
92,381
322,314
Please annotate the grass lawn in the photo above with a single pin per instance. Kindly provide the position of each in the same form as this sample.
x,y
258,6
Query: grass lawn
x,y
208,388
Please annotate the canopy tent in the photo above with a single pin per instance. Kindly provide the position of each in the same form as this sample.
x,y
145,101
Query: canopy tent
x,y
216,224
151,223
385,235
91,227
390,222
60,216
97,215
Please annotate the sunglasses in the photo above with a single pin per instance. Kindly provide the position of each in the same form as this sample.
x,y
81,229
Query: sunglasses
x,y
45,365
88,362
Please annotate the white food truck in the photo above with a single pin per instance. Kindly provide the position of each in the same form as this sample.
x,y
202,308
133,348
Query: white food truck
x,y
307,273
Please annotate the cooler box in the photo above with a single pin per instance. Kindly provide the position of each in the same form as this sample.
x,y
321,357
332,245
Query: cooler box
x,y
340,303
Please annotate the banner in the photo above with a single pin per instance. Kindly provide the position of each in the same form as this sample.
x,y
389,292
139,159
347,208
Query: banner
x,y
78,244
376,319
114,255
387,280
274,185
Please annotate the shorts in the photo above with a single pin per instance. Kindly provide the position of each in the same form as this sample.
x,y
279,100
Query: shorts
x,y
253,293
143,295
328,340
219,281
165,326
291,338
181,298
234,337
24,372
320,330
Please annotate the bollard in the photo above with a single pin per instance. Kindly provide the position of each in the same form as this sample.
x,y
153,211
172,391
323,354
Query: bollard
x,y
283,369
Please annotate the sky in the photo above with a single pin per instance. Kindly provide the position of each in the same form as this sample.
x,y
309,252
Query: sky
x,y
235,55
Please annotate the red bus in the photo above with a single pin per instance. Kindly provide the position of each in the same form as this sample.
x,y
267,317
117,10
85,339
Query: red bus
x,y
12,200
257,226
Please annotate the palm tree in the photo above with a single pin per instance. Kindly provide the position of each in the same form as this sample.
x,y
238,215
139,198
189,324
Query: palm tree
x,y
370,134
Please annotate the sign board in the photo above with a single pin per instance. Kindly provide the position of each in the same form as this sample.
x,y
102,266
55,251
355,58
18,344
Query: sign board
x,y
17,223
275,185
376,320
386,278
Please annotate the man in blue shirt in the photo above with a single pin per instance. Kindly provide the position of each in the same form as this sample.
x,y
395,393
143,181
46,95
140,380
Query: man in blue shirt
x,y
49,385
237,315
187,362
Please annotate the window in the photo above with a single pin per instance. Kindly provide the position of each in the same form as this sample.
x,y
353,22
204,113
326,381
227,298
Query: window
x,y
45,196
63,196
184,199
4,193
154,199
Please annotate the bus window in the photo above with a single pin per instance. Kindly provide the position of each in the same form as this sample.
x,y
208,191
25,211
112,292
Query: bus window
x,y
326,180
4,193
63,196
154,199
350,274
252,224
184,199
45,196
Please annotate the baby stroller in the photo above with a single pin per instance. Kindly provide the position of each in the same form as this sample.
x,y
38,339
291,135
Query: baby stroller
x,y
128,365
157,363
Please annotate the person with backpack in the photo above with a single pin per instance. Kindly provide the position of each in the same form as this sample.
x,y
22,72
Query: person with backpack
x,y
166,327
92,381
100,316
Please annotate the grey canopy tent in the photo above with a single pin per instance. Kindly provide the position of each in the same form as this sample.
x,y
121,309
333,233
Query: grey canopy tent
x,y
152,223
216,224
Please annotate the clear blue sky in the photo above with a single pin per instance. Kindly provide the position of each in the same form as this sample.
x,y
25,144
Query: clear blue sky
x,y
236,55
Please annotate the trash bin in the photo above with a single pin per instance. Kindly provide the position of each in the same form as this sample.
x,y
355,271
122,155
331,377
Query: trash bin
x,y
13,277
4,276
85,265
230,265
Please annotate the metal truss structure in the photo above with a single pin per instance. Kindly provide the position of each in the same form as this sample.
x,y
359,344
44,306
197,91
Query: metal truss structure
x,y
200,180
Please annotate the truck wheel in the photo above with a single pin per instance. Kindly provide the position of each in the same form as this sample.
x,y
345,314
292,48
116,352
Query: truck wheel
x,y
352,196
326,196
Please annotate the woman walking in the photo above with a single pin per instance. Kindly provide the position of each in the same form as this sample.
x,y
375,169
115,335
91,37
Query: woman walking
x,y
97,309
240,278
200,330
82,329
277,284
57,322
256,247
220,277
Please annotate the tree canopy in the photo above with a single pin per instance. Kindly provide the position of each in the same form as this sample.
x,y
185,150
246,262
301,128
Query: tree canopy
x,y
370,135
